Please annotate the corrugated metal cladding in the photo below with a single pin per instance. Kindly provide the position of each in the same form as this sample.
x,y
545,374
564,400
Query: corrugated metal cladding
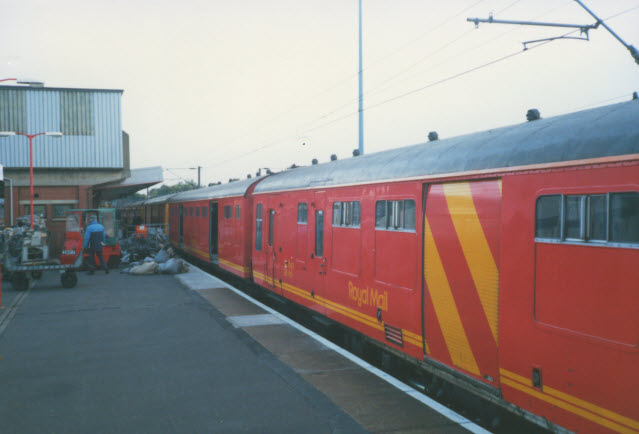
x,y
90,121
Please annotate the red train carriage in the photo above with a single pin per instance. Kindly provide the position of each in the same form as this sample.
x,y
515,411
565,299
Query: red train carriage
x,y
510,256
156,212
211,224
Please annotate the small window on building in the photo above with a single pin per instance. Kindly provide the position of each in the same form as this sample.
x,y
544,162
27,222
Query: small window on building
x,y
190,211
258,227
40,210
237,212
228,212
76,113
302,213
395,215
204,211
346,214
60,210
197,211
13,110
624,218
548,217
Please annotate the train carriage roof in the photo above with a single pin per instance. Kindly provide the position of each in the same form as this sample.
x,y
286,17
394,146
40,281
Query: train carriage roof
x,y
601,132
231,189
159,199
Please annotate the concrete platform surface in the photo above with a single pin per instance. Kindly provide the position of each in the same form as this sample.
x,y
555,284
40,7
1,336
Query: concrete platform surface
x,y
123,353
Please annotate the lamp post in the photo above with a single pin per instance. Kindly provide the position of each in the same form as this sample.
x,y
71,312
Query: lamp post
x,y
30,137
34,83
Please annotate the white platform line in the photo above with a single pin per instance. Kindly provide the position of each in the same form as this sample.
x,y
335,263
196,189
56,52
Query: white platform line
x,y
8,315
436,406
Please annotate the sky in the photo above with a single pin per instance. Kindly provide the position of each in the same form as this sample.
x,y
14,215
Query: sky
x,y
237,85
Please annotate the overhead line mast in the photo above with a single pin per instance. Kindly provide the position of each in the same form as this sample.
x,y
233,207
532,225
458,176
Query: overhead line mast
x,y
583,28
361,87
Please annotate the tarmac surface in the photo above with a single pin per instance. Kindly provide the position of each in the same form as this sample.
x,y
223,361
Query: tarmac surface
x,y
122,353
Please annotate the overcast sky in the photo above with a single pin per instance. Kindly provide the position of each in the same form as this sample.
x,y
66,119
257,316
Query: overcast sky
x,y
234,85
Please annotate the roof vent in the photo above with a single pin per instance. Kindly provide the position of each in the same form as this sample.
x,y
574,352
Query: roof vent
x,y
356,153
333,157
533,115
249,176
314,162
635,95
432,136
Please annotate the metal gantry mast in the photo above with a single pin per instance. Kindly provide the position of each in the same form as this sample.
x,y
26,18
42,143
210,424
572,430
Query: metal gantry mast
x,y
584,28
361,87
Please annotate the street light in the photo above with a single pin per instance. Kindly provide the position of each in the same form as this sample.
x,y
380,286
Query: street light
x,y
30,137
30,82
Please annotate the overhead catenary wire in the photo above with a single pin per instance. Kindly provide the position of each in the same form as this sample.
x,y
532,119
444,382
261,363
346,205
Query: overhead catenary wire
x,y
382,86
366,69
406,94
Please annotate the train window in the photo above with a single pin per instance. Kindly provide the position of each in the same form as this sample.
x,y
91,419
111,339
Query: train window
x,y
204,211
395,215
228,212
380,214
271,223
597,217
611,218
258,227
302,213
346,214
319,233
548,217
190,211
197,211
574,227
624,218
237,212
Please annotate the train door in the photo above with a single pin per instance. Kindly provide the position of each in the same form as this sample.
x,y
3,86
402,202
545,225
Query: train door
x,y
213,231
317,265
271,249
181,227
461,276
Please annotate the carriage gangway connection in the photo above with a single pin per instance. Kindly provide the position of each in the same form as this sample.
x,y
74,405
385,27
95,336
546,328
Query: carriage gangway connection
x,y
186,353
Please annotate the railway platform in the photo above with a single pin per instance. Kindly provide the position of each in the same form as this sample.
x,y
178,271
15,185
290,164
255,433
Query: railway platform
x,y
186,353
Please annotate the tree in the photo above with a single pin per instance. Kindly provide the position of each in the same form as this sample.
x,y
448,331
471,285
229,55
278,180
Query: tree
x,y
171,189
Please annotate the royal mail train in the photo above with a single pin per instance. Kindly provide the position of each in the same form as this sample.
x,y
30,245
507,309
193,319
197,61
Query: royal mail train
x,y
507,260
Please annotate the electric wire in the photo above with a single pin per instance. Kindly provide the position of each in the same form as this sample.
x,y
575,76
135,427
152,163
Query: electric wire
x,y
382,86
413,91
369,66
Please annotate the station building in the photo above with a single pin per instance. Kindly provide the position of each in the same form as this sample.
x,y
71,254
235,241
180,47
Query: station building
x,y
87,167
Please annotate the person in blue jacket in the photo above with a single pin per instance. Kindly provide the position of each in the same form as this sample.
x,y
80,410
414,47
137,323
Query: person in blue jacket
x,y
93,242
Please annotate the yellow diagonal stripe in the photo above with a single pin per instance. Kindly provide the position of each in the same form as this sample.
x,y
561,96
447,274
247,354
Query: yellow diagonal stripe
x,y
476,249
590,411
574,400
445,307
